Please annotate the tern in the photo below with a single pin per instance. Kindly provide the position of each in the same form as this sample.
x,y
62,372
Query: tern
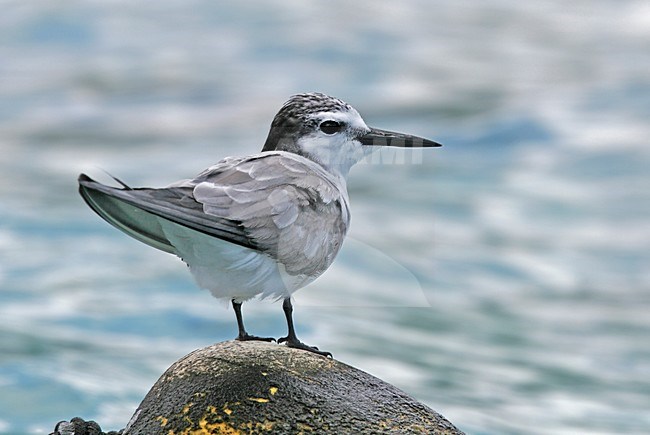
x,y
262,225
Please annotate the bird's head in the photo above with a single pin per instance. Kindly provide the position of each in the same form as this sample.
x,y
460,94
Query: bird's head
x,y
330,132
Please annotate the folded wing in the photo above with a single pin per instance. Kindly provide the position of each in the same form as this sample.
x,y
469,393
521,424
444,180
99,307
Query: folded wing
x,y
277,203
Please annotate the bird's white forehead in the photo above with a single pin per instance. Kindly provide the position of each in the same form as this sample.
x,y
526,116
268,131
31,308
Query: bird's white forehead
x,y
349,117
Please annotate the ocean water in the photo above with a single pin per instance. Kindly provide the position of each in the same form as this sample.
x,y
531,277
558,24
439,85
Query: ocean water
x,y
503,279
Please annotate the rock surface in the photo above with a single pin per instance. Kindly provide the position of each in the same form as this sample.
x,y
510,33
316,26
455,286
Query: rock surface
x,y
78,426
255,387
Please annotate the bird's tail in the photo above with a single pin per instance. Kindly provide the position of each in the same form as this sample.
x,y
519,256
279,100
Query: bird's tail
x,y
108,203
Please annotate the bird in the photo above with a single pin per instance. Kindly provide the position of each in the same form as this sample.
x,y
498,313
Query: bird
x,y
262,225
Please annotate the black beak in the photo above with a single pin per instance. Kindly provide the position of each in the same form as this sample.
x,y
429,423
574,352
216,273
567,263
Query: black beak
x,y
377,137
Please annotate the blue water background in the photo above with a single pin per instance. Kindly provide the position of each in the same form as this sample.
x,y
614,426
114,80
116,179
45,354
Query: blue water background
x,y
503,279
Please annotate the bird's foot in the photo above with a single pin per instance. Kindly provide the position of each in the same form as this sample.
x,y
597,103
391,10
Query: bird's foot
x,y
247,337
297,344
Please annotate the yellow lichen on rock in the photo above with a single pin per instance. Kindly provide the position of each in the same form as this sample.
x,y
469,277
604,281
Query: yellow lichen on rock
x,y
259,426
302,427
212,423
163,421
258,399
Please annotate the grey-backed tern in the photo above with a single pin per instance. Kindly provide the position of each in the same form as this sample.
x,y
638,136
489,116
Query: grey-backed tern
x,y
265,224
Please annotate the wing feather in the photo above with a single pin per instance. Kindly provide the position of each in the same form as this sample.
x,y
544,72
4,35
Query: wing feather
x,y
290,206
275,202
123,208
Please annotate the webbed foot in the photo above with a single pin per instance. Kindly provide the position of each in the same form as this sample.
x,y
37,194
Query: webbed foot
x,y
297,344
247,337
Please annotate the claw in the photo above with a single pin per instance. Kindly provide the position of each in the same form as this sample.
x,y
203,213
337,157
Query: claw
x,y
248,337
297,344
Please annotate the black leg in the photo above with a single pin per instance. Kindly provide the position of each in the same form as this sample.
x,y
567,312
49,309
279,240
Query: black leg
x,y
243,335
291,339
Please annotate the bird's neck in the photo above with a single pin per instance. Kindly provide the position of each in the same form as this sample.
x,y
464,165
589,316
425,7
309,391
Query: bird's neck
x,y
337,160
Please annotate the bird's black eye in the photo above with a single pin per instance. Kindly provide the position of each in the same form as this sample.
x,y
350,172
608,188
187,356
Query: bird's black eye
x,y
330,127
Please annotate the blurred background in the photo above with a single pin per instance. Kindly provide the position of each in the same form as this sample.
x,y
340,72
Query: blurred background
x,y
503,279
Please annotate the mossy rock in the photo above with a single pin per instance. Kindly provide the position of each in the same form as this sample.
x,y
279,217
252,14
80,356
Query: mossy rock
x,y
256,387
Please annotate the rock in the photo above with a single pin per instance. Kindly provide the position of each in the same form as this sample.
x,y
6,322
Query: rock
x,y
78,426
256,387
